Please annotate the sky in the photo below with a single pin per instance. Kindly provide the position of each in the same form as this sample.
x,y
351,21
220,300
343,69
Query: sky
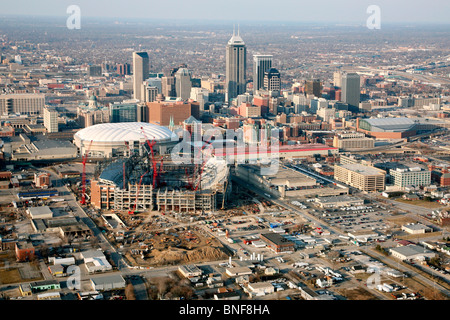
x,y
301,11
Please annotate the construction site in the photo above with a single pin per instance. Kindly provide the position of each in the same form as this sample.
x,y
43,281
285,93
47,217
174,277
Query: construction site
x,y
147,180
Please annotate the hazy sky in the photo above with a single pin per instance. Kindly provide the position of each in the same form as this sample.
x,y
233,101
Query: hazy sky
x,y
336,11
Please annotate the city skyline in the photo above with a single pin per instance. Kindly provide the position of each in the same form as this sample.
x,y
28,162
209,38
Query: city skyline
x,y
177,160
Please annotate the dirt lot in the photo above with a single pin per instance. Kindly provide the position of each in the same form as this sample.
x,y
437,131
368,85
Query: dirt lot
x,y
173,247
401,220
356,293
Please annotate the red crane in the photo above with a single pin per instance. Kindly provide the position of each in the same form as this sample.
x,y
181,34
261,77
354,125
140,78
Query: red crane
x,y
83,178
137,194
150,145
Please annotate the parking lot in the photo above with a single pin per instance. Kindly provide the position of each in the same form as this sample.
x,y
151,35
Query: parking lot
x,y
355,218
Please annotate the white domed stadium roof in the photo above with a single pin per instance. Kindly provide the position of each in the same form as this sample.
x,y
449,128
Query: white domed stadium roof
x,y
124,131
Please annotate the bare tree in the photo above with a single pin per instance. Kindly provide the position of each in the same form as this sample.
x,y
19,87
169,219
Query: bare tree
x,y
129,292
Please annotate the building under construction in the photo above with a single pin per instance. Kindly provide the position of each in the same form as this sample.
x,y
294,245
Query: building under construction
x,y
137,184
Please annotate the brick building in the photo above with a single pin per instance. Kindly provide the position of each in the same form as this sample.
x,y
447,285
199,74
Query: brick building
x,y
277,242
24,251
161,112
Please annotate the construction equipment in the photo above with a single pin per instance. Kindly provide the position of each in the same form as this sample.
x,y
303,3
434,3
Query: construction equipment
x,y
153,160
137,194
83,177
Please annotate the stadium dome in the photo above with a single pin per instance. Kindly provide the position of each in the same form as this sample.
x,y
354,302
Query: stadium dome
x,y
109,139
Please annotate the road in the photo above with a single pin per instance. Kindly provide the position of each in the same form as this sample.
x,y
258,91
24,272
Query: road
x,y
411,271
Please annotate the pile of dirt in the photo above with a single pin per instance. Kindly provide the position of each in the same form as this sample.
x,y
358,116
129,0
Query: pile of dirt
x,y
175,255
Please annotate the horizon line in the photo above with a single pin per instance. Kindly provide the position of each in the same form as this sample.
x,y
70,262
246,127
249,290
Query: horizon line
x,y
194,21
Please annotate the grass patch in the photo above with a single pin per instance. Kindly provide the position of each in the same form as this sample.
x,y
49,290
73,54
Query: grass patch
x,y
421,203
10,276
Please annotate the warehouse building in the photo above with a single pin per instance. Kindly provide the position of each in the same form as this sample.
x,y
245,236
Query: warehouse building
x,y
108,283
277,243
416,228
43,212
190,271
412,252
95,261
339,201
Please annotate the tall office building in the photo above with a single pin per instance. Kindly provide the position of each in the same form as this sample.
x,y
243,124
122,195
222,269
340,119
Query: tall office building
x,y
95,71
168,86
123,112
236,65
141,70
313,87
272,80
261,63
51,119
123,69
183,83
351,90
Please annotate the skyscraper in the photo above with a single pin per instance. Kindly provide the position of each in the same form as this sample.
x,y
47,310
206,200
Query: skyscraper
x,y
313,87
236,65
272,80
350,83
168,86
183,83
261,63
141,71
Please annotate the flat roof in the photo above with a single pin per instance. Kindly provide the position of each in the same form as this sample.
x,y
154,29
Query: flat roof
x,y
277,239
362,169
113,278
415,226
38,211
340,198
411,250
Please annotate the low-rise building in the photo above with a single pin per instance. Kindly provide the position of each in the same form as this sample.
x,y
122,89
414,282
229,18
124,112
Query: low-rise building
x,y
45,285
257,289
24,251
107,283
95,261
43,212
416,228
339,201
412,252
277,242
238,271
190,271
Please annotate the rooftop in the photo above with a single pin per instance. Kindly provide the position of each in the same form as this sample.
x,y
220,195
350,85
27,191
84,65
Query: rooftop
x,y
362,169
